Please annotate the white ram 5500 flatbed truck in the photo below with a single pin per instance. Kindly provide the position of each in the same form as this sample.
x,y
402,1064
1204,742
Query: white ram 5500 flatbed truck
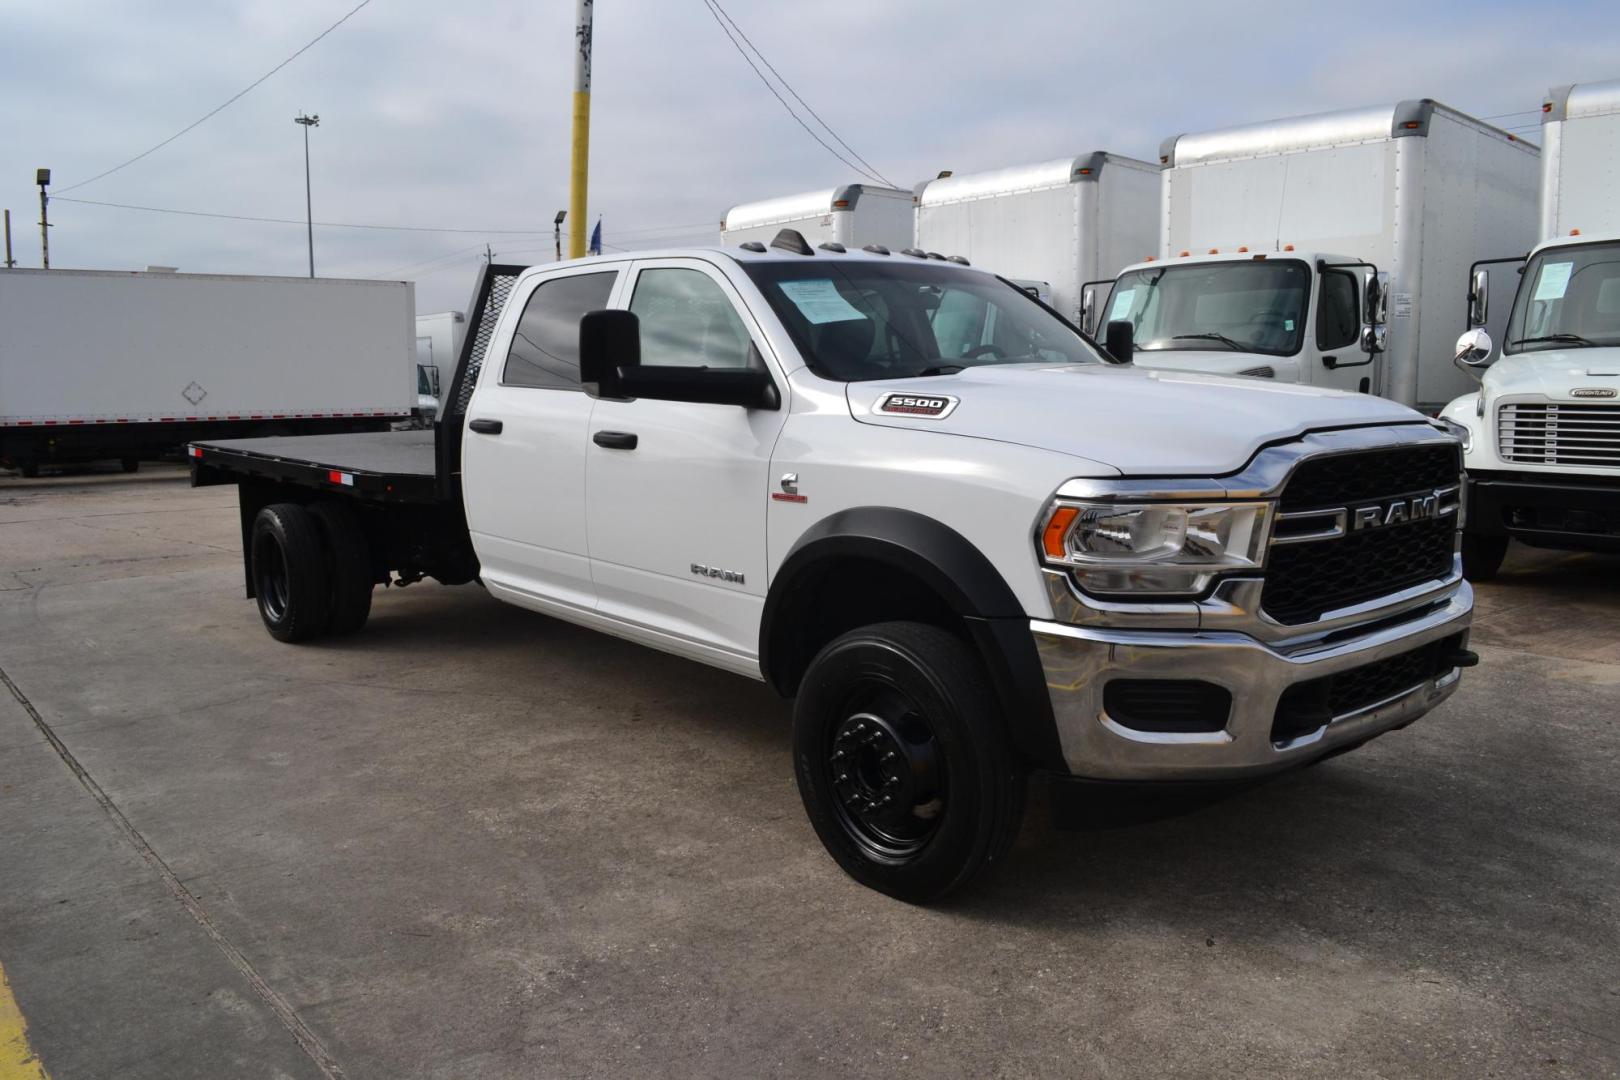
x,y
1542,442
911,497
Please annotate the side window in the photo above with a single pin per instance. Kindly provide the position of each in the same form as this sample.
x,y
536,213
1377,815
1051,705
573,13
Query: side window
x,y
688,321
545,347
1337,322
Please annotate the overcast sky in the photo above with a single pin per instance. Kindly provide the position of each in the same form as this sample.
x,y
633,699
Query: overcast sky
x,y
457,114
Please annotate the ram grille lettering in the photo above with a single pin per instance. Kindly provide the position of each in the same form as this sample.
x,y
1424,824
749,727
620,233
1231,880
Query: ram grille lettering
x,y
1395,512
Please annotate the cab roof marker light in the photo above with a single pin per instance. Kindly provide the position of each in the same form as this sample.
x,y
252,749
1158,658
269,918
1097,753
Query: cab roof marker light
x,y
1243,249
1288,247
1214,251
1184,254
876,249
1574,232
832,245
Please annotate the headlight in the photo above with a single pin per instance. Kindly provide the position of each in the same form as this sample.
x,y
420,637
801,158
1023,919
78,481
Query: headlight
x,y
1451,427
1167,548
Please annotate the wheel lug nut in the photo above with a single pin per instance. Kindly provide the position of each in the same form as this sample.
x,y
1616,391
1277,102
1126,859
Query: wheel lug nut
x,y
891,755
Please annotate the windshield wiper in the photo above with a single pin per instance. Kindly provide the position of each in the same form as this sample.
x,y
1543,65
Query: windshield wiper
x,y
1567,339
940,369
1222,338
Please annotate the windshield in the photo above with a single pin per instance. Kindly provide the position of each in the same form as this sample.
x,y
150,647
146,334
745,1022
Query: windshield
x,y
859,319
1569,298
1256,306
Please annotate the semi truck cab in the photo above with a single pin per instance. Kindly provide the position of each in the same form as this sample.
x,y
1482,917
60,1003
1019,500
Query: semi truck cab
x,y
1302,317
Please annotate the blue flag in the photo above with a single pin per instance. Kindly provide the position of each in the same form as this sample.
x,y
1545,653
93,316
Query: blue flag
x,y
596,238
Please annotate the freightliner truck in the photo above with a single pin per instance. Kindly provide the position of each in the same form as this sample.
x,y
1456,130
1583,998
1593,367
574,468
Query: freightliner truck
x,y
917,501
1330,250
1543,430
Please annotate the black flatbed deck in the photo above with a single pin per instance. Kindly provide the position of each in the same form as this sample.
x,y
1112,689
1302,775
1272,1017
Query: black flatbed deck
x,y
388,466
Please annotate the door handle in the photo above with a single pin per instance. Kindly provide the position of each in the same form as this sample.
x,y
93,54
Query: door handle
x,y
615,440
485,427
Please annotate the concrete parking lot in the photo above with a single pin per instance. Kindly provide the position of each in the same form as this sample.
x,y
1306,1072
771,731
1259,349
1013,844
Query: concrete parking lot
x,y
474,841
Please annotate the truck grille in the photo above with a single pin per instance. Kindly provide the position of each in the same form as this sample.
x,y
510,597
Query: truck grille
x,y
1534,433
1306,579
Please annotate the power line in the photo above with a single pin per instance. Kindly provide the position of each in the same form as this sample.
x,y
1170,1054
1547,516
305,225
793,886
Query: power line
x,y
790,111
229,101
293,221
788,86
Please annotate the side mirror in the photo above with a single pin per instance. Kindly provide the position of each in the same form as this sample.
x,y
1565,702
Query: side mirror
x,y
608,340
1088,310
1479,298
1121,340
1373,338
1375,287
1474,348
433,378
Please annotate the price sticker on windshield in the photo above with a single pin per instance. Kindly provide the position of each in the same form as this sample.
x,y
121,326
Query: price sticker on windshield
x,y
1553,282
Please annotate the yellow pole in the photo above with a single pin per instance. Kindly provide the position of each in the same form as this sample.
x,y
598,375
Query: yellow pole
x,y
580,167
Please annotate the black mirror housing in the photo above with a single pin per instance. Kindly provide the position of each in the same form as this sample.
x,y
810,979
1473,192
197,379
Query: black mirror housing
x,y
608,341
1121,340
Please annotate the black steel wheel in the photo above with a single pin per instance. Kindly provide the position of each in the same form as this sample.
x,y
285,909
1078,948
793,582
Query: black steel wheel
x,y
290,577
903,762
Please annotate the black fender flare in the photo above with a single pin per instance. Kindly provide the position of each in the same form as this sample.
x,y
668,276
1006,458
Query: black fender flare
x,y
957,572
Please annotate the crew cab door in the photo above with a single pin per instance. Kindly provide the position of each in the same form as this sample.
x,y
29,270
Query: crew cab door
x,y
679,490
523,453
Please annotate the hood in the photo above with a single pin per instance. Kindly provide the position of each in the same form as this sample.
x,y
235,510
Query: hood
x,y
1554,372
1142,422
1219,362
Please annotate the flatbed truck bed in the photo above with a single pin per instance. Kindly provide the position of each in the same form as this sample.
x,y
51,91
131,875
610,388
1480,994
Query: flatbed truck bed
x,y
384,466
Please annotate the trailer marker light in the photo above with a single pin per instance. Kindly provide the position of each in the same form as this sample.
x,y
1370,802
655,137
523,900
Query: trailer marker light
x,y
193,451
1288,247
1054,538
1243,249
840,204
1574,232
1085,172
1214,251
1184,254
1412,125
335,477
1150,258
1546,106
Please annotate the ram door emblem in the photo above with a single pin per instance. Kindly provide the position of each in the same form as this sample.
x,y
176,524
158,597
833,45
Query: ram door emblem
x,y
735,577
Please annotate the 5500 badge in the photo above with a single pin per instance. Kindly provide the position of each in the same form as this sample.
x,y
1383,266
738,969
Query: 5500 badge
x,y
923,406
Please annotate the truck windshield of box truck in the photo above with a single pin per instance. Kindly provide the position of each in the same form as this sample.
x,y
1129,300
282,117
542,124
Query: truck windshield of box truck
x,y
1569,298
1254,306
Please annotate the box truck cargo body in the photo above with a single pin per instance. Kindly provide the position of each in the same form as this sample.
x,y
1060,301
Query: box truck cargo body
x,y
1415,190
1064,223
1542,443
438,343
853,215
105,364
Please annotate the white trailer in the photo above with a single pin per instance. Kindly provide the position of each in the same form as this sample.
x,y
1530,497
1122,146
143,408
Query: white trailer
x,y
130,365
854,215
1542,433
1415,190
1062,223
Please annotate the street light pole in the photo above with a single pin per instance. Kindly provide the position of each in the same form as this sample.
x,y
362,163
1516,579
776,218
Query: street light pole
x,y
582,128
309,207
42,177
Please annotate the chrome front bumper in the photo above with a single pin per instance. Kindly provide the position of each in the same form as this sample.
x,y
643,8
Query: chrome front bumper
x,y
1079,660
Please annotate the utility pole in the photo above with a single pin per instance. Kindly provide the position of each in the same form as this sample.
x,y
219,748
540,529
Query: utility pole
x,y
42,177
556,232
309,207
10,262
582,130
489,256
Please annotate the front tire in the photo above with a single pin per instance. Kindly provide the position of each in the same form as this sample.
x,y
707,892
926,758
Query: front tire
x,y
290,578
903,762
1482,555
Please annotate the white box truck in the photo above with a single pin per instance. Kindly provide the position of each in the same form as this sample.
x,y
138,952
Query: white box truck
x,y
1542,432
1271,234
438,343
1054,225
854,215
130,365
